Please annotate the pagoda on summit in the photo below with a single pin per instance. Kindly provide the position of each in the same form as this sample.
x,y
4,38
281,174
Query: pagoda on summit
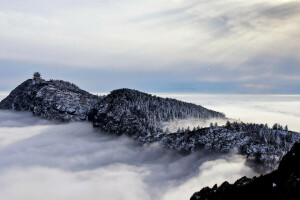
x,y
36,76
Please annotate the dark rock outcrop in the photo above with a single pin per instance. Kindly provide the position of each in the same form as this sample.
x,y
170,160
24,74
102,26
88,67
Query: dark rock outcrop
x,y
59,100
281,184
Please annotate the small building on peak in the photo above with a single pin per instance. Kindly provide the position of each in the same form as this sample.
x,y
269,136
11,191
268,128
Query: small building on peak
x,y
36,76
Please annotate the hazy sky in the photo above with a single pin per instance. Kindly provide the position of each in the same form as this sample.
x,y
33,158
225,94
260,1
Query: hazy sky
x,y
219,46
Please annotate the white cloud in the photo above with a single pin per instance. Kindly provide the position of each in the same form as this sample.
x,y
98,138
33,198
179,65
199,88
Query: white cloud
x,y
150,35
112,182
258,86
250,108
211,173
73,161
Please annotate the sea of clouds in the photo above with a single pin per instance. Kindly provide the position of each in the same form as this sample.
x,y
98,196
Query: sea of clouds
x,y
270,109
40,159
46,160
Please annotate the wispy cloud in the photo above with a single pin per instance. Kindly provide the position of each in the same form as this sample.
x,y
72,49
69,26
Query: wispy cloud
x,y
230,37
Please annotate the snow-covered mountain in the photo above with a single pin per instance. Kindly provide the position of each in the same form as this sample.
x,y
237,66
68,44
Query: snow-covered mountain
x,y
262,145
283,183
52,99
141,116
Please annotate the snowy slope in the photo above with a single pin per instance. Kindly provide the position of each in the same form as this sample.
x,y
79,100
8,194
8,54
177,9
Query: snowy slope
x,y
52,99
135,113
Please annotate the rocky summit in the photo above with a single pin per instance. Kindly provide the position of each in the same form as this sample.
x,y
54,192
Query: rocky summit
x,y
54,99
281,184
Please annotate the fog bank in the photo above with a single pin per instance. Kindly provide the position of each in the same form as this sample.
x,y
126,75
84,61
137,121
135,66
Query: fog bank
x,y
44,160
283,109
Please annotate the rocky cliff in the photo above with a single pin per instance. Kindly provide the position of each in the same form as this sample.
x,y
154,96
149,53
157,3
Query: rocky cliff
x,y
281,184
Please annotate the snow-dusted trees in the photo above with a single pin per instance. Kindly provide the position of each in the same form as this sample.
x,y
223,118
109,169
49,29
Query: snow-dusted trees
x,y
167,131
277,127
228,124
254,140
147,110
188,129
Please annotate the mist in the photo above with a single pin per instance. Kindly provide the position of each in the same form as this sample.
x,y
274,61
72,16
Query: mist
x,y
260,109
41,159
46,160
173,126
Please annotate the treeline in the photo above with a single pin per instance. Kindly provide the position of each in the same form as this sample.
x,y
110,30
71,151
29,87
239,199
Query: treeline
x,y
157,109
140,113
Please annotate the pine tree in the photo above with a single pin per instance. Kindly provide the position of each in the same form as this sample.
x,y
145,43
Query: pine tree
x,y
228,125
167,131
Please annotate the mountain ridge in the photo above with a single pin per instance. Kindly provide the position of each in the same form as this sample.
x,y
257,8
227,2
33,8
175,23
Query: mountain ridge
x,y
123,108
141,116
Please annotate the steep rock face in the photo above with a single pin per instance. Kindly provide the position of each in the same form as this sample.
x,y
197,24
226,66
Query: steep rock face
x,y
138,114
52,99
282,184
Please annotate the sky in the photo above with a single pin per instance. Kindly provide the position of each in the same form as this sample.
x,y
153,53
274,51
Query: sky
x,y
205,46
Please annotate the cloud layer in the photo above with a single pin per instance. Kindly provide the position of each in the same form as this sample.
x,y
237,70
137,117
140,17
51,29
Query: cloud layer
x,y
73,161
250,44
263,109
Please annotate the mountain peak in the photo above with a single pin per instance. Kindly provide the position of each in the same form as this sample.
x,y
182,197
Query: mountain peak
x,y
53,99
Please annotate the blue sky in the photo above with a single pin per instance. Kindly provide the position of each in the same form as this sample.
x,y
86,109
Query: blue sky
x,y
215,46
